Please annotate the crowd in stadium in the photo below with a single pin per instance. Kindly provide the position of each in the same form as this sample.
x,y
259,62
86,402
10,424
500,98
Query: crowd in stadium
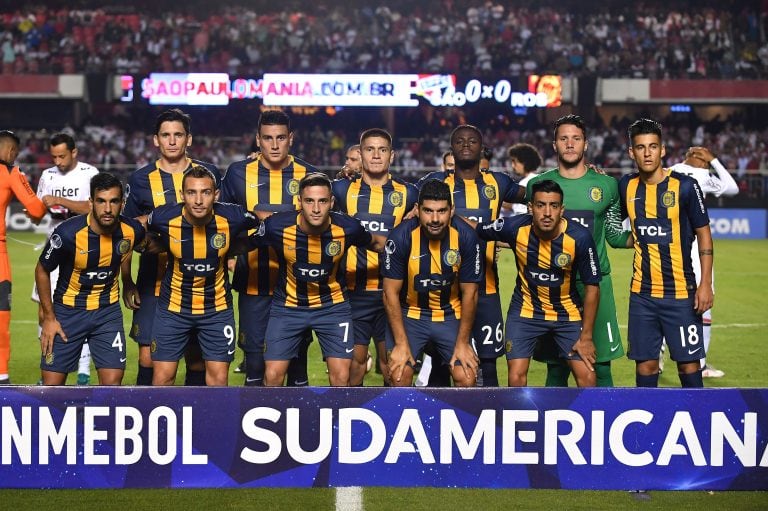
x,y
640,40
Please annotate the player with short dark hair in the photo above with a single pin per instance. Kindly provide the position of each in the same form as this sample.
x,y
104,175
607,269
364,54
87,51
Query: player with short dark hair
x,y
311,293
591,198
479,195
149,187
524,159
12,183
550,250
64,189
449,163
265,184
432,267
379,201
666,211
194,296
89,251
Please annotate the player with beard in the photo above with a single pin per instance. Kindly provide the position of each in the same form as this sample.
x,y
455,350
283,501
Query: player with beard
x,y
592,199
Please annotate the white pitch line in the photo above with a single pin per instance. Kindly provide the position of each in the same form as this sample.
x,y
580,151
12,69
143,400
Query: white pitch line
x,y
349,498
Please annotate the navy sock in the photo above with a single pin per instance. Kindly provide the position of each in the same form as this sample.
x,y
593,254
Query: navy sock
x,y
490,376
254,369
692,380
651,380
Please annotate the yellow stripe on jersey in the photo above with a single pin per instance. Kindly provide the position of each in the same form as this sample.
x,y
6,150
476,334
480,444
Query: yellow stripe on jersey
x,y
81,261
413,270
252,185
637,261
545,256
199,251
569,247
651,211
337,233
220,301
675,252
314,256
291,287
523,235
174,240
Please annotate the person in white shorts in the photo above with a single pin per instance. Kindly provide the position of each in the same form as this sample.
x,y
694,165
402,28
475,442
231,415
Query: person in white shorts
x,y
64,189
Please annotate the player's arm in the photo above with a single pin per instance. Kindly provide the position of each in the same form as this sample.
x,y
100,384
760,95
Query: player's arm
x,y
463,354
34,207
705,297
50,325
725,185
81,207
130,291
401,353
615,234
584,346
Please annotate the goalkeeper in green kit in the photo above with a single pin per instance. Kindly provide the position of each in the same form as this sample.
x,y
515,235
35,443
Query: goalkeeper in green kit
x,y
592,199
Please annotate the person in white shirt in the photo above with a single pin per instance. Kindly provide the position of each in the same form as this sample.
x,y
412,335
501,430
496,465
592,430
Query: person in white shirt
x,y
65,190
713,178
525,160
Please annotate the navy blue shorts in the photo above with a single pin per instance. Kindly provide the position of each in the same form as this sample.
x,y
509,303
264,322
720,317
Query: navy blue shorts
x,y
102,329
288,326
369,317
254,316
143,319
215,331
488,329
653,319
523,334
441,333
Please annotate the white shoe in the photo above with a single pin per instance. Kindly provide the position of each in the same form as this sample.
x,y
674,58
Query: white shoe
x,y
368,364
661,357
711,372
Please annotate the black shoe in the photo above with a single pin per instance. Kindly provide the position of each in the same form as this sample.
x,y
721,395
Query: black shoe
x,y
6,381
240,367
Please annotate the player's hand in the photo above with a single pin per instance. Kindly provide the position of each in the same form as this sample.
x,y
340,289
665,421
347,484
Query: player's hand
x,y
50,328
346,173
384,366
398,358
131,296
467,358
412,213
586,350
704,299
701,153
50,200
595,168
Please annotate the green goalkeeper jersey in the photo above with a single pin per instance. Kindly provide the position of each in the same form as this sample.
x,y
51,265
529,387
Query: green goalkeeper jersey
x,y
593,201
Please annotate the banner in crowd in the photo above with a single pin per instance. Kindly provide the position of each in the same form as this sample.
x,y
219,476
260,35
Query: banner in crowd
x,y
596,439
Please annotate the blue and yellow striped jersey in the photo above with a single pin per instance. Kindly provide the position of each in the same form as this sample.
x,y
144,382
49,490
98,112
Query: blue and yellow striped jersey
x,y
664,218
547,270
258,188
196,280
431,270
148,188
379,209
88,262
480,200
311,273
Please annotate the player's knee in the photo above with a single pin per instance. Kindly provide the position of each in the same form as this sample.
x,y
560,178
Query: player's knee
x,y
360,355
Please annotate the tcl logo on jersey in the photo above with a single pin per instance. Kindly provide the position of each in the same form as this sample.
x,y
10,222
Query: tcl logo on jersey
x,y
98,274
199,268
376,224
311,272
656,231
476,215
433,282
545,277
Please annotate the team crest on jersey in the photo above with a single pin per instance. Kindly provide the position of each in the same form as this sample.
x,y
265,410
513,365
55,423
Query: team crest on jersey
x,y
562,260
596,194
333,248
218,240
124,246
396,199
489,192
451,257
292,187
49,359
668,199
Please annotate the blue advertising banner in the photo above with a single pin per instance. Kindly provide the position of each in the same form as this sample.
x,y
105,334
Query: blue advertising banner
x,y
738,223
596,439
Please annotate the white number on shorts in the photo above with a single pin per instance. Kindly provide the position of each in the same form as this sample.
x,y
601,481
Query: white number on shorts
x,y
229,333
118,342
693,335
488,329
345,326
